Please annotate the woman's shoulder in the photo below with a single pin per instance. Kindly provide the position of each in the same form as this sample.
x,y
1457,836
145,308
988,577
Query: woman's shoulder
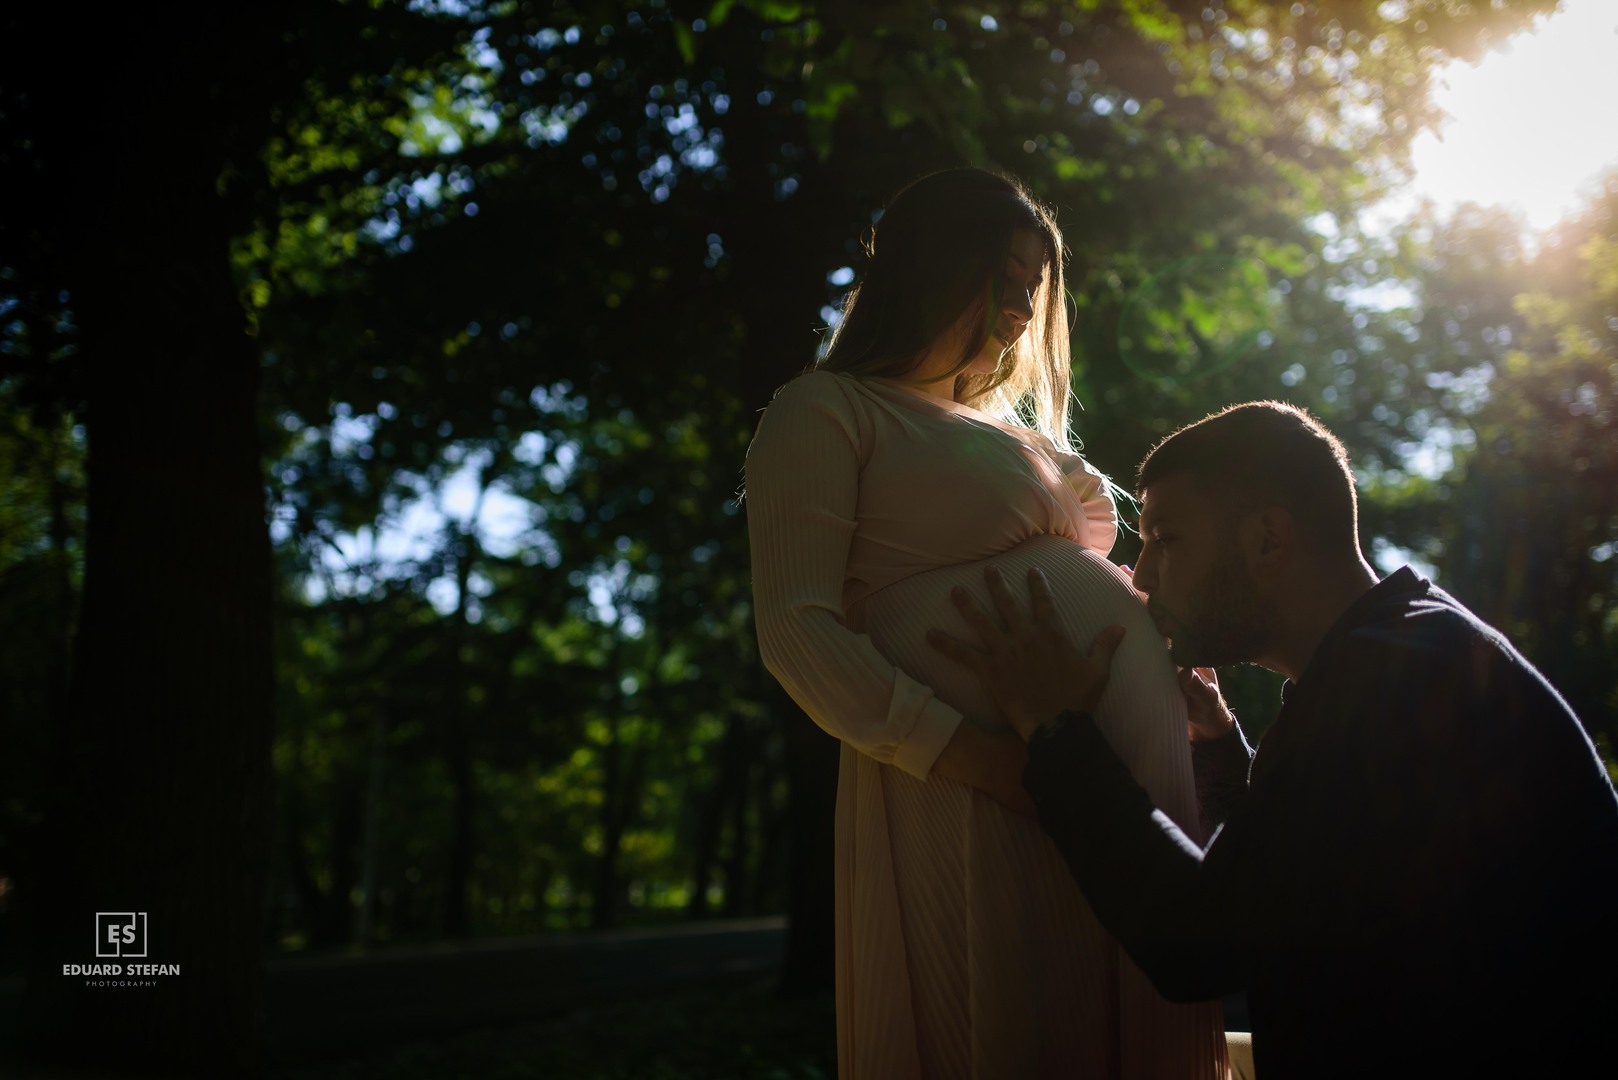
x,y
818,401
818,384
819,391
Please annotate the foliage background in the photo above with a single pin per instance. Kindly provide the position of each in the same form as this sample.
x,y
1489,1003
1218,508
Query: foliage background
x,y
517,277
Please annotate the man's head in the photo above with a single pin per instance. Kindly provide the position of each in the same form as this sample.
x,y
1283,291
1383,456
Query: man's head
x,y
1240,510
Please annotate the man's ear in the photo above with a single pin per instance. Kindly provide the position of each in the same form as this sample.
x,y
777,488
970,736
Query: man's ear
x,y
1268,538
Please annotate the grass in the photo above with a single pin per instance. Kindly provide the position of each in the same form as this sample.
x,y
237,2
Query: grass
x,y
742,1031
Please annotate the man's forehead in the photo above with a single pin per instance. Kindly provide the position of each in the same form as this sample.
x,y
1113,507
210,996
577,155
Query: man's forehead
x,y
1175,496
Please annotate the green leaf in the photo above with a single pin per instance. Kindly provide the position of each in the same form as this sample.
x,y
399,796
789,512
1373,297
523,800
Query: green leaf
x,y
685,41
719,12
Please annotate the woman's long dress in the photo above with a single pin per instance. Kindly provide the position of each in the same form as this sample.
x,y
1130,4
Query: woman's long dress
x,y
964,948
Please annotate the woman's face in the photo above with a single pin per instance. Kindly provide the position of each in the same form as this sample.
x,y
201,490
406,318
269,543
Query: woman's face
x,y
1024,274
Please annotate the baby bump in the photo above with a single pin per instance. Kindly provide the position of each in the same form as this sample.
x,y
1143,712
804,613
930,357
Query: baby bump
x,y
1142,713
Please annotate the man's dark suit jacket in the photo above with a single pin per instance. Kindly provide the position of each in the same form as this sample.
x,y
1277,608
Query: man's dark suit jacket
x,y
1419,875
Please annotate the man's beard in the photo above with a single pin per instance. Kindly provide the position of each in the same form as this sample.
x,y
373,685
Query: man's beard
x,y
1226,623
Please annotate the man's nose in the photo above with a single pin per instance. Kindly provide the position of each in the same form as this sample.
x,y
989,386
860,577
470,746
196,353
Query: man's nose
x,y
1145,577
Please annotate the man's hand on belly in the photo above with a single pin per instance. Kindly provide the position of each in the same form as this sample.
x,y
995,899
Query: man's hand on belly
x,y
1028,665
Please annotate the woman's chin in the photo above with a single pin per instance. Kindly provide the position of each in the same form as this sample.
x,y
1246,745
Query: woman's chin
x,y
987,364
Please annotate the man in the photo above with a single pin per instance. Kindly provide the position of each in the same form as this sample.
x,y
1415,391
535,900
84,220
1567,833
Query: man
x,y
1419,871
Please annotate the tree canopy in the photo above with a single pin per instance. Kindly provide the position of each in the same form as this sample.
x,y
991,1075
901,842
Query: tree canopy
x,y
513,279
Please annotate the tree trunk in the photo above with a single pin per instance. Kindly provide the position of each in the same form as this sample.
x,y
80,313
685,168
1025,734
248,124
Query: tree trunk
x,y
61,571
333,923
458,721
772,831
777,268
608,898
164,806
812,766
712,826
311,901
370,841
161,802
736,876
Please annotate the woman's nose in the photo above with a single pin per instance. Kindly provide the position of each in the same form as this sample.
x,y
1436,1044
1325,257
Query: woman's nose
x,y
1017,304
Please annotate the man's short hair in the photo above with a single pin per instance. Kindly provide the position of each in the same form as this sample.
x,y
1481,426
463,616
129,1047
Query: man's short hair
x,y
1266,453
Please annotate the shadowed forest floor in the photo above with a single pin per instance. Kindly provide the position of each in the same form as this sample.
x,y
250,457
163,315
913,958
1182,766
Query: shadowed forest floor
x,y
743,1031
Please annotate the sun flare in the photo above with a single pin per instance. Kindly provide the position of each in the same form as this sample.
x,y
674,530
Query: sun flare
x,y
1534,123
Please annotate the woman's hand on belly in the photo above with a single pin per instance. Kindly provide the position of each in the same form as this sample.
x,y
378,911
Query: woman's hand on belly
x,y
1208,718
1028,665
990,761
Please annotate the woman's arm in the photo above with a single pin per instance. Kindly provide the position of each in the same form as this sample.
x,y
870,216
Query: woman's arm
x,y
1094,493
991,760
802,483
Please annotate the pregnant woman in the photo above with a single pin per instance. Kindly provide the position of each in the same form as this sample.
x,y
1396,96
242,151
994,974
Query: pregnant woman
x,y
930,440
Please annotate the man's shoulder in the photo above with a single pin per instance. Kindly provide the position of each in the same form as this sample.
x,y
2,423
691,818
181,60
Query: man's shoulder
x,y
1421,620
1421,645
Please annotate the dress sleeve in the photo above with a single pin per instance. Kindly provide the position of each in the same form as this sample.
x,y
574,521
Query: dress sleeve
x,y
802,484
1095,494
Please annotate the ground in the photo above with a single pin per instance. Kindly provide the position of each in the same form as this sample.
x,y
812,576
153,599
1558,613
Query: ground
x,y
741,1030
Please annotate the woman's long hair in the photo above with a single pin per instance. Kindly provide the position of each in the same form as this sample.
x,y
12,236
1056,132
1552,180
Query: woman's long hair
x,y
936,261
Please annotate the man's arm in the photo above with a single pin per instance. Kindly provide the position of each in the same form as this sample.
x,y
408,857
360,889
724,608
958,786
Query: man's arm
x,y
1145,879
1220,767
1220,754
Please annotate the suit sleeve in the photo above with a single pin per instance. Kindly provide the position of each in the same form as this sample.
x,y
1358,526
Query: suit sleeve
x,y
802,484
1144,878
1286,874
1220,767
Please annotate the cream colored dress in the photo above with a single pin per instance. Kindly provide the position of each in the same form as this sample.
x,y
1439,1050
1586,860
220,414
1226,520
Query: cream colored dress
x,y
964,948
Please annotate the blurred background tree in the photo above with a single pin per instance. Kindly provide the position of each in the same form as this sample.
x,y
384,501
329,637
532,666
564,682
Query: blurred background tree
x,y
513,280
